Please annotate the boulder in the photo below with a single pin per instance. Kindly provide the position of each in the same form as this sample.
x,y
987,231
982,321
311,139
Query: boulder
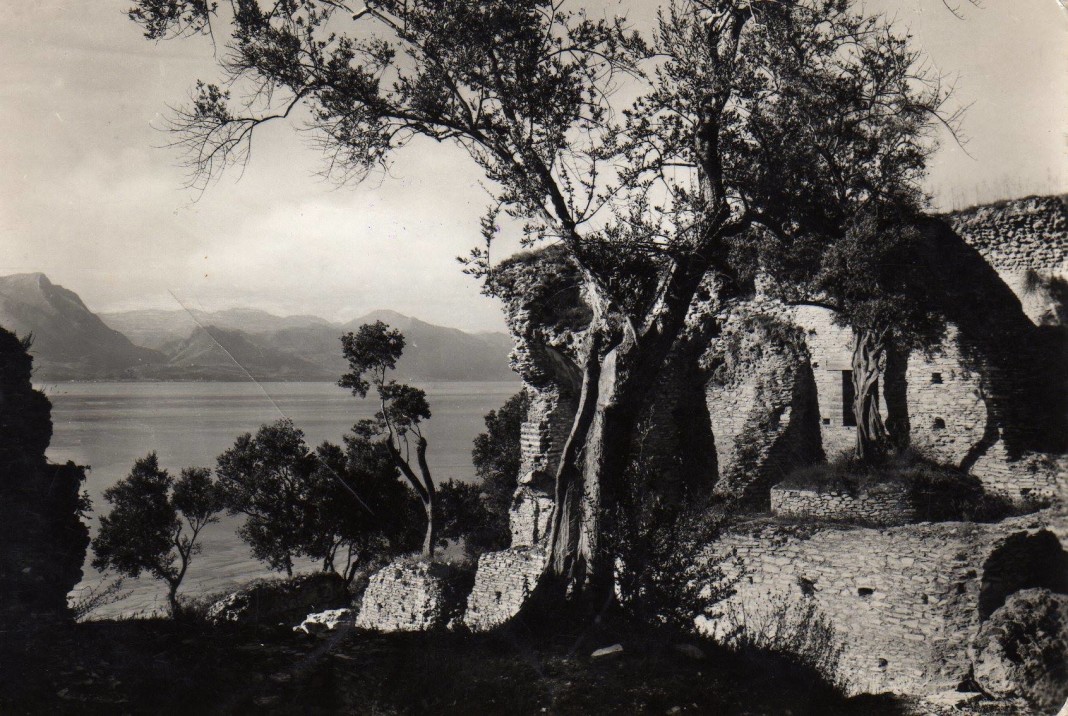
x,y
409,595
281,601
1022,649
323,622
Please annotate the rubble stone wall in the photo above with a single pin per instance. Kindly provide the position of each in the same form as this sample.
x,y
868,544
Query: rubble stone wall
x,y
1018,237
905,602
886,504
503,583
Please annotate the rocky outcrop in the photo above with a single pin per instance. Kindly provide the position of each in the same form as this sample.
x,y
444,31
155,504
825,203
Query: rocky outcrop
x,y
413,596
281,601
44,538
1022,650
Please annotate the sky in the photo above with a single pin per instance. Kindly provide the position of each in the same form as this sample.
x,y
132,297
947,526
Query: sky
x,y
91,196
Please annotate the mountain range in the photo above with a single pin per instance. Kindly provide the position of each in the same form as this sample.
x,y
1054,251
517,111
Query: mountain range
x,y
70,342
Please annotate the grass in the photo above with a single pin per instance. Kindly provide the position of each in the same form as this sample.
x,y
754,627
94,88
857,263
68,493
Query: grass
x,y
161,666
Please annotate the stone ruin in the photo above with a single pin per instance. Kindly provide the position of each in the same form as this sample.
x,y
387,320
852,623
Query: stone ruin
x,y
906,601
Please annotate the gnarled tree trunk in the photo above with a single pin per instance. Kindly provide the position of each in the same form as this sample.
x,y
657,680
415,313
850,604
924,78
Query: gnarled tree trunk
x,y
868,355
620,371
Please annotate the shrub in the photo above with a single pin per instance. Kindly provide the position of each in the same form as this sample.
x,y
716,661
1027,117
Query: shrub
x,y
663,575
790,631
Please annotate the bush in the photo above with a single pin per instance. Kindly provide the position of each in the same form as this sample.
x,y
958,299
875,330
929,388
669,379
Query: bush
x,y
663,575
793,633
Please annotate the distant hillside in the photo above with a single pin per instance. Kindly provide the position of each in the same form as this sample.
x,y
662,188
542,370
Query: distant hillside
x,y
72,343
159,328
69,341
213,353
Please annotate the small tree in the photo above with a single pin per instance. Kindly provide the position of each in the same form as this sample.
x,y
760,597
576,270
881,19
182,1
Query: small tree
x,y
267,478
873,280
373,351
361,511
155,521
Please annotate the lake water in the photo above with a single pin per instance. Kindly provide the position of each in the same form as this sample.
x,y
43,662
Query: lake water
x,y
109,425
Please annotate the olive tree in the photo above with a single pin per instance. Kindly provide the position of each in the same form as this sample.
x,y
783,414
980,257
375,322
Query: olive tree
x,y
155,522
782,115
372,351
267,477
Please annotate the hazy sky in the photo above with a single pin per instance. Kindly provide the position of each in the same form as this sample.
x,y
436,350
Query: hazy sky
x,y
88,196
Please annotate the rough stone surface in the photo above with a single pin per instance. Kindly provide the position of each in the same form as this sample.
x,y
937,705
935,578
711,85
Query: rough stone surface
x,y
282,600
502,584
44,539
1022,650
323,622
411,596
905,602
1020,236
883,504
607,651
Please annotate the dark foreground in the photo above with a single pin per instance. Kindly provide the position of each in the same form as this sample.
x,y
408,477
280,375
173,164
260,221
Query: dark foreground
x,y
158,666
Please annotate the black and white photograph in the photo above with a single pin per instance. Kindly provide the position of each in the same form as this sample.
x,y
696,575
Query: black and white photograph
x,y
565,357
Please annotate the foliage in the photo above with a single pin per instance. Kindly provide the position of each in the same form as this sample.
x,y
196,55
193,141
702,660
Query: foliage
x,y
496,457
84,602
362,513
664,576
343,506
372,351
266,478
155,521
785,629
870,275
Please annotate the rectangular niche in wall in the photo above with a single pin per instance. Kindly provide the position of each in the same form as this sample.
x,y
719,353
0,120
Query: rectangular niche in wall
x,y
848,418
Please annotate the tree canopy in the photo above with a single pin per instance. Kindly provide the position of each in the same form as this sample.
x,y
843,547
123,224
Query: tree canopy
x,y
155,521
655,158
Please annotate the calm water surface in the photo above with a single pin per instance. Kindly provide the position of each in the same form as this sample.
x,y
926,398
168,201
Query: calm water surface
x,y
109,425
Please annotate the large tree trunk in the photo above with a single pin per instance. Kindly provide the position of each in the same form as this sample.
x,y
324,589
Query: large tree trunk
x,y
868,353
618,377
895,394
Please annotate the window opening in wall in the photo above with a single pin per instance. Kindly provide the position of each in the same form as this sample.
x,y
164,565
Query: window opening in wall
x,y
936,377
939,424
848,394
883,663
865,592
826,421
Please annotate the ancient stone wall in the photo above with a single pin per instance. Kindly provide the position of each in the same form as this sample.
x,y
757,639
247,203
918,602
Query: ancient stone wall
x,y
947,412
503,583
1034,477
1017,238
831,349
761,401
905,603
412,596
885,504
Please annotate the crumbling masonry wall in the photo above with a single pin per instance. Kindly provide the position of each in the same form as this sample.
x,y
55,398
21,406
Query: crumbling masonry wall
x,y
905,602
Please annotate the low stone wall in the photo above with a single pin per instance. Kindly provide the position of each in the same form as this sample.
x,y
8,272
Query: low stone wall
x,y
1034,477
905,602
417,596
502,585
887,504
